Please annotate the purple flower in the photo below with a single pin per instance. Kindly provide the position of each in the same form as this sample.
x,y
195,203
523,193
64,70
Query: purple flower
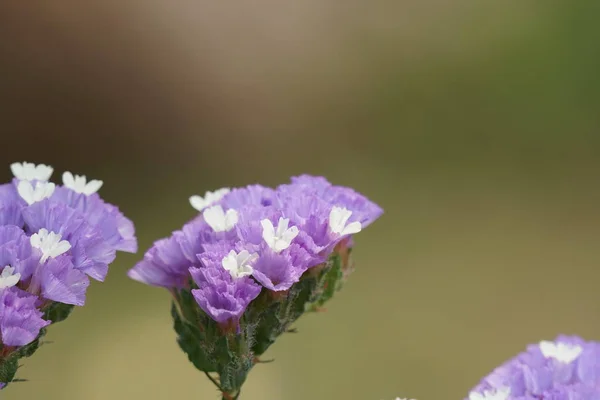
x,y
52,236
91,253
279,271
20,320
224,285
565,369
116,230
286,231
167,262
60,281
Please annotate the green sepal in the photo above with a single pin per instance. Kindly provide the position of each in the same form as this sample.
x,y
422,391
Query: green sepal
x,y
330,280
8,369
192,342
58,312
280,314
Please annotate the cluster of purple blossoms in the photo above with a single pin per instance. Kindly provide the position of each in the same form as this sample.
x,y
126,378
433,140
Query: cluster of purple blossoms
x,y
565,369
249,239
52,239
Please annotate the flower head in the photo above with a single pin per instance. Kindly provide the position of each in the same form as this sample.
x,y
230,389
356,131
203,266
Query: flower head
x,y
8,277
281,238
238,264
566,368
338,222
79,183
49,243
31,172
210,198
51,239
219,220
33,193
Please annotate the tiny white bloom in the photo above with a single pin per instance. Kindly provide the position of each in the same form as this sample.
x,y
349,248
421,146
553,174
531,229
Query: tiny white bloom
x,y
219,220
279,239
32,194
49,243
79,183
8,278
238,265
563,352
338,222
30,172
210,198
498,394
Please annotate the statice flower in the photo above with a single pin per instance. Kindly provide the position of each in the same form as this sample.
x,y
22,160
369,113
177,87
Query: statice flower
x,y
252,261
567,368
53,239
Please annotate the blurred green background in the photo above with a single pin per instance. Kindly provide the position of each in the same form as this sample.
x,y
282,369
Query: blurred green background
x,y
475,125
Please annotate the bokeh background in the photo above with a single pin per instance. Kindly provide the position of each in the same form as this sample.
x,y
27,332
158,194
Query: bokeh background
x,y
474,124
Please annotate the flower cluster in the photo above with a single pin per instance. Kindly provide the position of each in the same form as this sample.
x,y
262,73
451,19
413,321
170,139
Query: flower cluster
x,y
565,369
252,238
250,263
52,240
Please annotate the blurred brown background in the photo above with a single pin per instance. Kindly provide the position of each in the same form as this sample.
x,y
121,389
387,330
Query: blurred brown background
x,y
474,124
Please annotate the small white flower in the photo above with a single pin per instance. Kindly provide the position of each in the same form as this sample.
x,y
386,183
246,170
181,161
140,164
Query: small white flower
x,y
563,352
219,220
338,222
210,198
8,278
32,194
79,183
498,394
279,239
49,243
30,172
238,265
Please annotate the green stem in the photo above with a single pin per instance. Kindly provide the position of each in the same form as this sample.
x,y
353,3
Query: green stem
x,y
227,396
213,380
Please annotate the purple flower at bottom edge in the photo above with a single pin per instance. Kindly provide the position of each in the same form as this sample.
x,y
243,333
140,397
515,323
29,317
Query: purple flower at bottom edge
x,y
565,369
223,297
20,320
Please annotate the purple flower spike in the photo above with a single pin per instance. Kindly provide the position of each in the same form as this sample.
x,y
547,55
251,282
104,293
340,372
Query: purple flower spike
x,y
224,286
250,263
20,321
565,369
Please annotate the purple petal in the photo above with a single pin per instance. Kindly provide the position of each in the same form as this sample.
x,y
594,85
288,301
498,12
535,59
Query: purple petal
x,y
61,282
220,296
